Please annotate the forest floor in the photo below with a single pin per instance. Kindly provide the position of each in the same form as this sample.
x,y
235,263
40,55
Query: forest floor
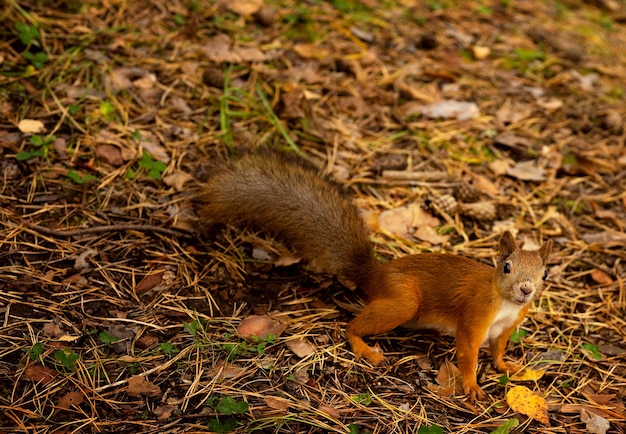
x,y
449,122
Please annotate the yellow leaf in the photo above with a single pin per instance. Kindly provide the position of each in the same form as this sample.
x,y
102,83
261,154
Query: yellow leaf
x,y
528,375
522,400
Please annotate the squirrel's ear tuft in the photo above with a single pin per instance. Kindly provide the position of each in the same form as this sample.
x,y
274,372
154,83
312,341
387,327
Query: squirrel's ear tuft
x,y
545,251
507,245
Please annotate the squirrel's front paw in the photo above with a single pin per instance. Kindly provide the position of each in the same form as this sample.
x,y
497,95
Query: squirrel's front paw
x,y
508,367
374,355
474,392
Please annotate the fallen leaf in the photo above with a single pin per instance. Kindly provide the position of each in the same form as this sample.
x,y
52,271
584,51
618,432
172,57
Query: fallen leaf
x,y
451,109
52,330
528,375
331,411
165,411
300,347
146,341
480,52
31,126
40,374
449,378
512,141
260,326
140,386
606,239
276,403
311,51
69,399
150,143
177,180
81,261
527,171
601,277
226,370
110,154
286,261
397,221
522,400
510,114
243,7
595,424
149,282
430,235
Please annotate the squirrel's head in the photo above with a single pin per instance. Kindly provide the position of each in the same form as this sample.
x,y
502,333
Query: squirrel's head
x,y
520,273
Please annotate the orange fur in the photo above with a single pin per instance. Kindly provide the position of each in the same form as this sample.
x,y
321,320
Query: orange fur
x,y
452,293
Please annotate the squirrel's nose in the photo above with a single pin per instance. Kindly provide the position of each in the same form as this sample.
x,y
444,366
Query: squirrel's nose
x,y
526,288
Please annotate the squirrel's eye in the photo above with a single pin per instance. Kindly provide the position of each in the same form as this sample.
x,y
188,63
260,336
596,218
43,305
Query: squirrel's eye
x,y
545,275
507,268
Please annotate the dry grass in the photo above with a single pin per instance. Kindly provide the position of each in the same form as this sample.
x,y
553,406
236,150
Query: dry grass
x,y
84,261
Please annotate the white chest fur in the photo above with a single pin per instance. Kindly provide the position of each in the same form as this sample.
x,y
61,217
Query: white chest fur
x,y
505,317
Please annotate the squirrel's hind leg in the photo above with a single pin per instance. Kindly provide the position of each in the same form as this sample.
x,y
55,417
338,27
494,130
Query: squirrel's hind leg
x,y
379,316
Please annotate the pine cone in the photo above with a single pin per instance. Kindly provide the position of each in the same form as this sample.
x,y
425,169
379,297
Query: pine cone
x,y
444,203
465,192
485,211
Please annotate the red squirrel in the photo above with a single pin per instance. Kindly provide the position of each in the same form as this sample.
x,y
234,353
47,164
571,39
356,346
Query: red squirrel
x,y
287,197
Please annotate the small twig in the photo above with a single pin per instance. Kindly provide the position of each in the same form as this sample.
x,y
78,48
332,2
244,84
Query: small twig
x,y
109,228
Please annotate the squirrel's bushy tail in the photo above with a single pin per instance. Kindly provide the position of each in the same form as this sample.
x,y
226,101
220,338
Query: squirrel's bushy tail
x,y
287,197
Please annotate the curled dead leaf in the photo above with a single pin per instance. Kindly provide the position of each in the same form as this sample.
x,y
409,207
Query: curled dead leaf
x,y
260,326
601,277
276,403
595,424
527,171
39,374
522,400
300,347
31,126
138,386
149,282
69,399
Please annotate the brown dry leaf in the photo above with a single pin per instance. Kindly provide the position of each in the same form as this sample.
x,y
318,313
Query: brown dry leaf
x,y
31,126
40,374
110,154
601,277
138,386
150,142
52,330
606,239
499,167
286,261
146,341
311,51
595,424
397,221
527,171
528,375
451,109
449,378
331,411
243,7
430,235
260,326
483,184
177,180
69,399
510,114
522,400
300,347
275,403
513,141
226,370
149,282
163,412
